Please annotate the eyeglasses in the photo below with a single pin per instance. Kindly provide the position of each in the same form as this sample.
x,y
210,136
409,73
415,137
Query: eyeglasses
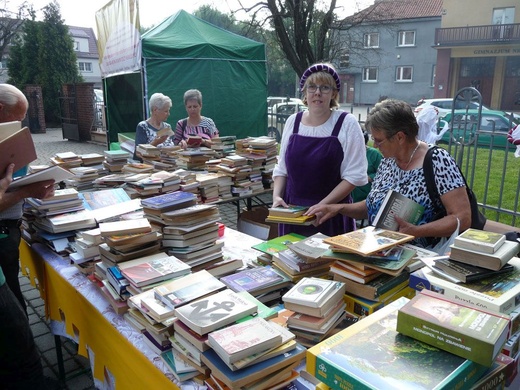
x,y
377,143
323,88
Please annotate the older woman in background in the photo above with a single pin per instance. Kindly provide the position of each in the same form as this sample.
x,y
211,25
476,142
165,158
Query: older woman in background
x,y
155,130
195,124
322,154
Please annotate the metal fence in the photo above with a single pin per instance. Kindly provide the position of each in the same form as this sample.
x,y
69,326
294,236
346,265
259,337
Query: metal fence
x,y
478,142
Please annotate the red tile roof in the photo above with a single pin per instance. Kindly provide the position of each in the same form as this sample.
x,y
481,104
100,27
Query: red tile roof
x,y
385,10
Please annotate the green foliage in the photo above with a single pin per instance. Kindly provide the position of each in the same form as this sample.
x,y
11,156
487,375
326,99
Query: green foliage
x,y
45,56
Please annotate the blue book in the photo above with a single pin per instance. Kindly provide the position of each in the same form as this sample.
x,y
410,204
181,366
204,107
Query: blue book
x,y
249,374
168,199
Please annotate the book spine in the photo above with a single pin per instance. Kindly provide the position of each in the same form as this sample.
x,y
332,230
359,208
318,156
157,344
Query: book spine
x,y
447,339
360,306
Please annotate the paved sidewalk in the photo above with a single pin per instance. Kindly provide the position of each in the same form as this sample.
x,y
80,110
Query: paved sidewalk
x,y
77,368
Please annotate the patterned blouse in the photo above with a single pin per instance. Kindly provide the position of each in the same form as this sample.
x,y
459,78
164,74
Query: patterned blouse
x,y
205,129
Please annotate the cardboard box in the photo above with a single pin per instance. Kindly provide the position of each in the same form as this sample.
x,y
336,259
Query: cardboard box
x,y
252,222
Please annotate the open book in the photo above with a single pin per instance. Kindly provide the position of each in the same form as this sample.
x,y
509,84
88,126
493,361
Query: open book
x,y
54,172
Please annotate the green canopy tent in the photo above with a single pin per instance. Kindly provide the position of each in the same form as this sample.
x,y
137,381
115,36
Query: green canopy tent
x,y
185,52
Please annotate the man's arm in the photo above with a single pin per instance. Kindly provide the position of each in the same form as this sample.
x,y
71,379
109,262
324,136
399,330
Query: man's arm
x,y
6,180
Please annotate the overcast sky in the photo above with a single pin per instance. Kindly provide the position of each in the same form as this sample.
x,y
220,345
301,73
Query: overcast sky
x,y
81,13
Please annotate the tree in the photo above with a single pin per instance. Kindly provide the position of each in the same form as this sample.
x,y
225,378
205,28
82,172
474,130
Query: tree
x,y
307,31
44,55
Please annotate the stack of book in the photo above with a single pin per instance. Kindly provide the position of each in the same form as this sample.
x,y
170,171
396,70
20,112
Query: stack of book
x,y
135,167
208,187
148,152
318,308
264,283
83,178
194,158
115,160
293,215
92,159
372,262
191,234
66,160
487,251
64,201
223,145
86,249
270,247
303,258
127,240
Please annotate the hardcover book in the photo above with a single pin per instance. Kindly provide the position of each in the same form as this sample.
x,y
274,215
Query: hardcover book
x,y
16,147
215,311
376,289
499,294
395,204
368,240
301,220
493,261
314,292
187,288
238,341
371,354
468,273
467,332
480,240
311,248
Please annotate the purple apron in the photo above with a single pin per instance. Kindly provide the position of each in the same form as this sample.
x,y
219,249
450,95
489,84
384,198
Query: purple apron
x,y
313,171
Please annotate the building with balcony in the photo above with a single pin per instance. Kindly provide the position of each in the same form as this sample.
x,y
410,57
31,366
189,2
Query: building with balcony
x,y
389,51
480,49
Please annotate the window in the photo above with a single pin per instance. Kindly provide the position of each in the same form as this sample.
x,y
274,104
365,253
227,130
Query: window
x,y
371,40
76,45
404,73
406,38
85,66
344,60
370,74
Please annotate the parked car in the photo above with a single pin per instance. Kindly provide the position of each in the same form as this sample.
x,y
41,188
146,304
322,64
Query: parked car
x,y
444,106
279,114
463,125
272,100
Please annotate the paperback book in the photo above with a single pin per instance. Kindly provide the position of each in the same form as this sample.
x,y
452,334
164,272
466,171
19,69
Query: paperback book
x,y
278,244
493,261
291,211
468,273
148,270
467,332
367,241
311,248
480,240
371,354
256,280
314,292
395,204
499,294
238,341
188,288
215,311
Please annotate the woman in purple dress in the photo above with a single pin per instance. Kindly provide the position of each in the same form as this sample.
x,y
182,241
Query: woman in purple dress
x,y
322,154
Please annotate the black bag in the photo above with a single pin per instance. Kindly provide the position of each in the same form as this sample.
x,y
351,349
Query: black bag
x,y
478,220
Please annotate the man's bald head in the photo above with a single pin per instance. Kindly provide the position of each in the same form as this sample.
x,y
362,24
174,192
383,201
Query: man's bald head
x,y
13,103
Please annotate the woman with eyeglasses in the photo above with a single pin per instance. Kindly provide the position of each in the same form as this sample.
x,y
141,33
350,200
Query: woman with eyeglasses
x,y
394,131
322,154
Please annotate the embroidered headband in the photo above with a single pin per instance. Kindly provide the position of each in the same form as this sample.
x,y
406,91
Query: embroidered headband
x,y
320,68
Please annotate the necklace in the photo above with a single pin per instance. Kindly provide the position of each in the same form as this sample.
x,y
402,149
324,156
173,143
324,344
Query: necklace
x,y
411,156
